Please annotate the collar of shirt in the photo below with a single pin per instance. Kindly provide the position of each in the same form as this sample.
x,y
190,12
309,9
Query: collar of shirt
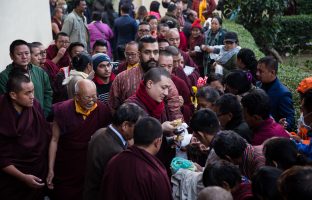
x,y
85,113
118,134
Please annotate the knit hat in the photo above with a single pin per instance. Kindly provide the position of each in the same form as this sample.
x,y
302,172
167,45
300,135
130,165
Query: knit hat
x,y
98,58
305,85
230,36
196,24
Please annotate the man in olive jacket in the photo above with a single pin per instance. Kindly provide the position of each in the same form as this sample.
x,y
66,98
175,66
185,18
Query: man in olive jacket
x,y
20,55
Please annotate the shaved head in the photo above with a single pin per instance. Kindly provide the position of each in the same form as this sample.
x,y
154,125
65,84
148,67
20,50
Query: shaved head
x,y
214,193
85,94
84,85
173,37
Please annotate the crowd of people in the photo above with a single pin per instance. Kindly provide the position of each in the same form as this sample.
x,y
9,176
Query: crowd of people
x,y
136,105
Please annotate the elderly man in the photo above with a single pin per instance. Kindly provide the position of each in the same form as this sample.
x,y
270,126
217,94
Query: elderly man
x,y
20,54
132,57
23,140
106,143
75,24
74,123
127,82
136,173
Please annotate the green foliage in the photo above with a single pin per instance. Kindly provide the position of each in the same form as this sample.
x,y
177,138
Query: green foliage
x,y
296,31
244,37
304,6
261,18
288,71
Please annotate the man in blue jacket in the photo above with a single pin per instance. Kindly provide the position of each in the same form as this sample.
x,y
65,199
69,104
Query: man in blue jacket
x,y
280,96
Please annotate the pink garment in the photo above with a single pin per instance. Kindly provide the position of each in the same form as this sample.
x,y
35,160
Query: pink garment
x,y
156,14
100,31
268,129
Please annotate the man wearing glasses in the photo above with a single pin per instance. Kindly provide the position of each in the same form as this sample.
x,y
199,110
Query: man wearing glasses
x,y
75,121
132,57
57,52
143,29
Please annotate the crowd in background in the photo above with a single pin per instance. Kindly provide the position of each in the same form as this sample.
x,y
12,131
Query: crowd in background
x,y
132,104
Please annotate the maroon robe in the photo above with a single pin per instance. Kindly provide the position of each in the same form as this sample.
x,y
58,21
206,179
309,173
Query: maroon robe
x,y
166,153
75,133
178,71
197,57
188,108
189,62
24,141
52,69
135,174
52,52
122,66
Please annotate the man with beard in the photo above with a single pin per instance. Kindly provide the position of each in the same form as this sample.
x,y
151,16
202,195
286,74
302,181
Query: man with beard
x,y
127,82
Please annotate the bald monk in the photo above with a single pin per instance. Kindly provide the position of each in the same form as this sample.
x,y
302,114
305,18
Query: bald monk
x,y
74,123
23,141
136,173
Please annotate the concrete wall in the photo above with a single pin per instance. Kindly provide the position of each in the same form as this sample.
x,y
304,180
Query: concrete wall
x,y
28,20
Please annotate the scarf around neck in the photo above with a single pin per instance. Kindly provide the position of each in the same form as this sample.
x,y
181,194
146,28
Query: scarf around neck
x,y
154,108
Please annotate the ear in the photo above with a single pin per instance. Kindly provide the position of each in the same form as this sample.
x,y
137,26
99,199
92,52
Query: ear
x,y
275,163
149,84
12,95
157,142
11,56
230,115
226,186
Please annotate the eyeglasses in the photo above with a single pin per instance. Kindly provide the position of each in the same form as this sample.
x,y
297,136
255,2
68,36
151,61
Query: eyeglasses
x,y
63,42
43,52
88,98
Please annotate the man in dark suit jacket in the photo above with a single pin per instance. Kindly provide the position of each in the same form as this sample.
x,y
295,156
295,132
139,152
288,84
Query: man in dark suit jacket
x,y
106,143
125,29
280,96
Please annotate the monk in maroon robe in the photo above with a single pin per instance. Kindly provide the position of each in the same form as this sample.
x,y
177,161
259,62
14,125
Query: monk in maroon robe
x,y
187,108
57,53
75,121
24,141
136,173
150,97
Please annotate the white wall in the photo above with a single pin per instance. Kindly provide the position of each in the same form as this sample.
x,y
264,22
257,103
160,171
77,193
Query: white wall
x,y
23,19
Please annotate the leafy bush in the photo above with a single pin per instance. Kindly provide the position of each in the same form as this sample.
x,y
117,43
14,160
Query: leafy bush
x,y
290,73
261,18
305,6
295,32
